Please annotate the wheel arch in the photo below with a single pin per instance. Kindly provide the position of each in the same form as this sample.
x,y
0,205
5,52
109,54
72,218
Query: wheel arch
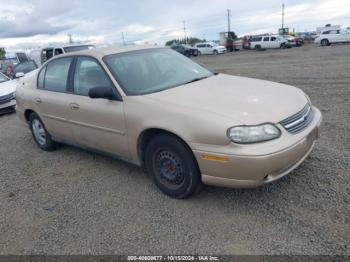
x,y
27,114
148,134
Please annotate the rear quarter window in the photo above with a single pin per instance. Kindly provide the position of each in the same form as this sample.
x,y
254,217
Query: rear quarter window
x,y
56,75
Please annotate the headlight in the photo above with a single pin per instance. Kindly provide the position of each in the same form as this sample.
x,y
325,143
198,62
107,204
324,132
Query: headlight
x,y
253,134
14,95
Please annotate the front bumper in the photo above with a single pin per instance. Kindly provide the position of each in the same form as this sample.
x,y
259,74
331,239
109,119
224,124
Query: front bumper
x,y
249,170
8,107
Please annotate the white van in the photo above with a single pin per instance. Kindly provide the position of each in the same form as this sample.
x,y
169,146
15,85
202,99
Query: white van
x,y
267,42
210,49
46,53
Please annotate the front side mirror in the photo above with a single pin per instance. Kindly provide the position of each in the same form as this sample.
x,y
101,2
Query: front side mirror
x,y
19,74
102,92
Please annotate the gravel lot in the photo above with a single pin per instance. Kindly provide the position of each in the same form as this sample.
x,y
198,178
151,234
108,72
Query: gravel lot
x,y
74,202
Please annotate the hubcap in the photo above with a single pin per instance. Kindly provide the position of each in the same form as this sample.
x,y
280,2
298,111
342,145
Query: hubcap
x,y
39,132
169,168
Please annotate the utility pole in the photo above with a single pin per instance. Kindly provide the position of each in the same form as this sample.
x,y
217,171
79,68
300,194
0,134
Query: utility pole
x,y
282,15
123,38
70,38
184,22
228,21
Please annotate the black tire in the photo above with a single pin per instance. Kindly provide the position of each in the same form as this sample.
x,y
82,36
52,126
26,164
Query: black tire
x,y
215,52
258,47
48,144
325,42
199,53
172,166
283,45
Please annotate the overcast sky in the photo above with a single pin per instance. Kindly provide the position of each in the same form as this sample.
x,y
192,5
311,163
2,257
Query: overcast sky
x,y
33,23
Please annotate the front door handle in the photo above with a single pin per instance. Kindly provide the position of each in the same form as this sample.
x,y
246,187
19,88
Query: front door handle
x,y
37,100
74,106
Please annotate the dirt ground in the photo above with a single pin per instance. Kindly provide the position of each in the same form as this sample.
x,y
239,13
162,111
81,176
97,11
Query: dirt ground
x,y
75,202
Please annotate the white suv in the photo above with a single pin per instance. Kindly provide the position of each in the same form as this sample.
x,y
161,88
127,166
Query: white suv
x,y
266,42
210,48
328,37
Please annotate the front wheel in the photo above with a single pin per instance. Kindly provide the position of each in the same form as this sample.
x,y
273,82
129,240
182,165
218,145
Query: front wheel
x,y
325,42
215,52
41,136
172,166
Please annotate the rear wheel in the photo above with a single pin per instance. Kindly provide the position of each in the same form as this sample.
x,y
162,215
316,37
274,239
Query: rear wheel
x,y
172,166
325,42
258,47
41,136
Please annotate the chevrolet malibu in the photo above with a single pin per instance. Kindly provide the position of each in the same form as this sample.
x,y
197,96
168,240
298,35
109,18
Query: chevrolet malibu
x,y
156,108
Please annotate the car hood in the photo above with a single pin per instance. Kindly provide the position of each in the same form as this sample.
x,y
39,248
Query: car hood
x,y
246,100
8,87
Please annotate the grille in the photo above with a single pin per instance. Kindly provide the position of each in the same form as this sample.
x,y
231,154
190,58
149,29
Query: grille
x,y
6,98
299,121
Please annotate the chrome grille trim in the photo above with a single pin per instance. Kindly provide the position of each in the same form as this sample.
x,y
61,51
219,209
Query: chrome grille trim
x,y
6,98
299,121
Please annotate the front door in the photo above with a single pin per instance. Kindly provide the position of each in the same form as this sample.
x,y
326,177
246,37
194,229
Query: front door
x,y
97,123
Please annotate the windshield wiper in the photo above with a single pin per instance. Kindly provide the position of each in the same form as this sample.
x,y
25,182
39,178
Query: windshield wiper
x,y
196,79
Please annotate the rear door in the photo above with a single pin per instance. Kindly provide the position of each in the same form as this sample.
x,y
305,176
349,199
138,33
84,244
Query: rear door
x,y
51,99
97,123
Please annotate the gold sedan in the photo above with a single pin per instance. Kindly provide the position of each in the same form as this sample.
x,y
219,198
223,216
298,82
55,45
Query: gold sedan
x,y
157,108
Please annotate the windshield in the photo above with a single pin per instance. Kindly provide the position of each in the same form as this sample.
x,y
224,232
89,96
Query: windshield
x,y
3,78
77,48
153,70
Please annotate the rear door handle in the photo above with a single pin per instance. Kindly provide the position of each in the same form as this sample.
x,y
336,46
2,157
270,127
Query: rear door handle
x,y
37,100
74,106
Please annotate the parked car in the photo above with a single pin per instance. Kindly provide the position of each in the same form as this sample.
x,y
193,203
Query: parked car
x,y
268,42
293,41
7,94
210,49
156,108
23,67
334,36
186,50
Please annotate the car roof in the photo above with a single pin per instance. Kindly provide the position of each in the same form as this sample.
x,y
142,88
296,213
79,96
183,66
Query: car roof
x,y
101,52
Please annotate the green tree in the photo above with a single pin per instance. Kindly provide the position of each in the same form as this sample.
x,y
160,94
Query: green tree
x,y
2,53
